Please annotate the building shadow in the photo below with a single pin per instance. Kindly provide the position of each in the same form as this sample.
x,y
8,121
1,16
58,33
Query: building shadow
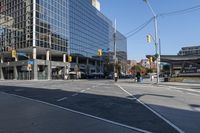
x,y
118,109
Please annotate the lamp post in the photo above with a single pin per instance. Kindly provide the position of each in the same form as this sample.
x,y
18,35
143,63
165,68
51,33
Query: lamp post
x,y
156,39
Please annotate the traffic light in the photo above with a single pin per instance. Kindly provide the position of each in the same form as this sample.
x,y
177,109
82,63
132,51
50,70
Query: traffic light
x,y
150,59
14,53
148,39
69,58
99,52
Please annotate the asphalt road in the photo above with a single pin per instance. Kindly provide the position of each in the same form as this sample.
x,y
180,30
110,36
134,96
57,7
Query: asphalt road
x,y
112,105
178,102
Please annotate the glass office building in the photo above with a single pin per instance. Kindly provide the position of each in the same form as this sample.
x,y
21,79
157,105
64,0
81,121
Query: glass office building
x,y
45,32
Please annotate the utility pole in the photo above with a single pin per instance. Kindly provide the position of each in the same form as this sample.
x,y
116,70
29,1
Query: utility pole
x,y
115,47
156,40
115,52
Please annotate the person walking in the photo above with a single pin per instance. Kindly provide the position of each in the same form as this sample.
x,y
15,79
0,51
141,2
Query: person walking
x,y
138,76
115,76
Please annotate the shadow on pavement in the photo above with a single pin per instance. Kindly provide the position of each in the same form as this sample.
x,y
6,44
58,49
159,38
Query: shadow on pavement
x,y
122,110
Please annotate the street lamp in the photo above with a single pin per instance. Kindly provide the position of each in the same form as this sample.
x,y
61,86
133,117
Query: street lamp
x,y
156,39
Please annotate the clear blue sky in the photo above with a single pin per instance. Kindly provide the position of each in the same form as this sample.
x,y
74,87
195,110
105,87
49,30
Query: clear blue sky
x,y
174,31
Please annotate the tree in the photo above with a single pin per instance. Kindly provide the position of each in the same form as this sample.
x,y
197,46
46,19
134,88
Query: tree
x,y
138,68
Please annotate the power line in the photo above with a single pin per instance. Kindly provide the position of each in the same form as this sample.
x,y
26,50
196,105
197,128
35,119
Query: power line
x,y
183,11
140,28
136,30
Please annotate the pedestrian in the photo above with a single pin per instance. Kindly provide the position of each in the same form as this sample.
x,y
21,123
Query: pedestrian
x,y
116,76
138,76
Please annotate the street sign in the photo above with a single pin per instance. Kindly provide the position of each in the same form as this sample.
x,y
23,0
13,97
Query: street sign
x,y
30,62
21,54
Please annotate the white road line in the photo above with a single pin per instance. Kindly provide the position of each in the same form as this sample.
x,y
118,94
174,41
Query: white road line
x,y
61,99
81,113
132,98
178,88
88,89
156,113
74,94
193,94
82,90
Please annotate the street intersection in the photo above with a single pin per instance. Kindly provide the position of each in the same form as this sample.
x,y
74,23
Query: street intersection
x,y
97,106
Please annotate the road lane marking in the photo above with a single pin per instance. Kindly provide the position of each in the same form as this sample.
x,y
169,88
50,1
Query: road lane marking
x,y
156,113
74,94
193,94
82,90
178,88
81,113
61,99
132,98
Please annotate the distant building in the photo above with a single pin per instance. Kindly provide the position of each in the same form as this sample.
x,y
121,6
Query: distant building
x,y
193,50
130,64
185,63
145,63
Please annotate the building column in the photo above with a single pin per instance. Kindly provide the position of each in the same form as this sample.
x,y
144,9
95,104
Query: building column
x,y
77,60
171,70
1,69
15,69
64,71
87,66
96,66
35,66
47,55
48,65
1,74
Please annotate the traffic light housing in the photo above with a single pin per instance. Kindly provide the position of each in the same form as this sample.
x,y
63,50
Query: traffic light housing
x,y
150,59
14,53
99,52
148,39
69,58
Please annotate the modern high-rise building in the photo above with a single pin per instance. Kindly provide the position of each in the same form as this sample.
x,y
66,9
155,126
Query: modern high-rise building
x,y
38,36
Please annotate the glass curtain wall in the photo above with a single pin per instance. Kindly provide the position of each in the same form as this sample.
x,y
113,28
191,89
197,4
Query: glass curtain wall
x,y
52,21
15,24
89,29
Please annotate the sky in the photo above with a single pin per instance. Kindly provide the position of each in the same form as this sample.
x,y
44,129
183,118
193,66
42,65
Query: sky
x,y
175,31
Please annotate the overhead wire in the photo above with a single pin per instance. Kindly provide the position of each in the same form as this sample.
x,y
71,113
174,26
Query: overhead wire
x,y
179,12
142,26
136,30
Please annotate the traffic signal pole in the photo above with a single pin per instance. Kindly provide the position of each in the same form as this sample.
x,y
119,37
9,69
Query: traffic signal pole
x,y
115,52
156,40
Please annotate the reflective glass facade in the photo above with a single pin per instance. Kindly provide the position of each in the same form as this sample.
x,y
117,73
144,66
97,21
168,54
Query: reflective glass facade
x,y
121,43
52,27
89,29
73,26
15,24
